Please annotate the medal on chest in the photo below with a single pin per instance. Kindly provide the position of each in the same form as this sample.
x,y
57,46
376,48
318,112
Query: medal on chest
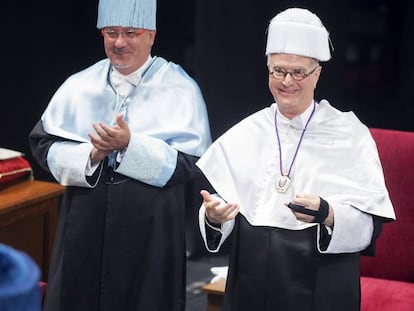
x,y
283,182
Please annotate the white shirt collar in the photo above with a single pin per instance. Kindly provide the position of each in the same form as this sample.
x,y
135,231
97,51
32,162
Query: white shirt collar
x,y
133,78
298,121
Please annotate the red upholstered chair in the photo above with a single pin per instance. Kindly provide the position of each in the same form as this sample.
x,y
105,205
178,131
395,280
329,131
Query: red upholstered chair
x,y
387,280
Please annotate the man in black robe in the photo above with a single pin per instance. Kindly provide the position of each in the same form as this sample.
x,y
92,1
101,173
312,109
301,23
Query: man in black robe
x,y
123,135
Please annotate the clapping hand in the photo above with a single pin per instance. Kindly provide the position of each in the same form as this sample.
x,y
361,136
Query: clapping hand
x,y
109,138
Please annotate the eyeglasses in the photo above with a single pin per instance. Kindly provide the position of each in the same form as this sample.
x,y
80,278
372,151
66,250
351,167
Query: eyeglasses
x,y
129,34
296,74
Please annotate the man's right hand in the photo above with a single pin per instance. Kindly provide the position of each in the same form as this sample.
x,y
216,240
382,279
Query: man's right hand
x,y
218,211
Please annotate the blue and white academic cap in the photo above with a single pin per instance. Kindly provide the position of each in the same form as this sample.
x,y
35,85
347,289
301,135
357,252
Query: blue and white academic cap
x,y
19,281
300,32
127,13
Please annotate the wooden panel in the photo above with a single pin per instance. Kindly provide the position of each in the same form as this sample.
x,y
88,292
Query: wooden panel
x,y
28,235
28,218
215,295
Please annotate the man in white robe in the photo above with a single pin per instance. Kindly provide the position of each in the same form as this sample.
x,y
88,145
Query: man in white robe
x,y
295,151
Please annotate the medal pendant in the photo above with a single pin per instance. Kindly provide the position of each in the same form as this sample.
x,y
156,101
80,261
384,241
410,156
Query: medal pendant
x,y
283,183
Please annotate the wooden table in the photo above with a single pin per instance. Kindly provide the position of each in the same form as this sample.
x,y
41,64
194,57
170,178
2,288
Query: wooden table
x,y
215,295
28,218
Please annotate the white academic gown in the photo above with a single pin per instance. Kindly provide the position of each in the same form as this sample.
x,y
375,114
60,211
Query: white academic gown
x,y
336,160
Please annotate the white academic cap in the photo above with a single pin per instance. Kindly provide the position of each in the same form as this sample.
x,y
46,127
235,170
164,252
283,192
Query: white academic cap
x,y
300,32
127,13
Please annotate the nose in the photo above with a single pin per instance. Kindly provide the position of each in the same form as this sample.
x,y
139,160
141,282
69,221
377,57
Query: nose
x,y
287,78
120,40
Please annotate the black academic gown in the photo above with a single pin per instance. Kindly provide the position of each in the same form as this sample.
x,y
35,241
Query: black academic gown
x,y
272,269
120,245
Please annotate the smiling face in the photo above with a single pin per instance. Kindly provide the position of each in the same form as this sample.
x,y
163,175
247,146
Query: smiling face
x,y
126,51
291,96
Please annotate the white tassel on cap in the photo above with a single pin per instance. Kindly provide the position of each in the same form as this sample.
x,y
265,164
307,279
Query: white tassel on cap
x,y
300,32
127,13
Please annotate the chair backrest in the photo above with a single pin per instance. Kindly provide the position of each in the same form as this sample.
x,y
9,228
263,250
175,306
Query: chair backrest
x,y
395,246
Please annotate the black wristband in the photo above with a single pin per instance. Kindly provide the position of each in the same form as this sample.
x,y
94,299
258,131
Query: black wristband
x,y
303,210
322,213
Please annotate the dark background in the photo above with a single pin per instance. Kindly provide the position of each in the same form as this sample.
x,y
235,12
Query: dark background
x,y
221,44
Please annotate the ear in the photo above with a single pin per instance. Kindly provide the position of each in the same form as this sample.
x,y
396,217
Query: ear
x,y
317,74
151,35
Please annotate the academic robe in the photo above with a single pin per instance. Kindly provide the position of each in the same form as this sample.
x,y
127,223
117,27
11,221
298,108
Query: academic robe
x,y
274,269
120,241
276,261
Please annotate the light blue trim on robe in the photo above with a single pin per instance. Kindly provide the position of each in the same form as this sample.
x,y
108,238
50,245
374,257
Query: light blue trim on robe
x,y
165,112
67,161
140,155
